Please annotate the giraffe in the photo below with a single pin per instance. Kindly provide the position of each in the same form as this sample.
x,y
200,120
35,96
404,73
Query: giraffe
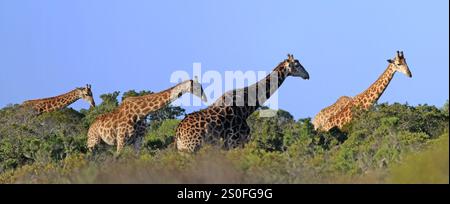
x,y
46,105
127,123
342,111
226,118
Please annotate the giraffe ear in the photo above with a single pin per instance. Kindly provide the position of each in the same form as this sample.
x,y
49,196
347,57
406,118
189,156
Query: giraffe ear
x,y
390,61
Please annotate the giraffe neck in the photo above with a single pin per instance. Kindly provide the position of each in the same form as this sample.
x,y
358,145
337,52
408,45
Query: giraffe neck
x,y
65,100
374,92
143,105
269,85
54,103
250,98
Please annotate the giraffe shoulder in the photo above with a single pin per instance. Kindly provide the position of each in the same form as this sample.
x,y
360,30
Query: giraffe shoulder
x,y
344,110
106,116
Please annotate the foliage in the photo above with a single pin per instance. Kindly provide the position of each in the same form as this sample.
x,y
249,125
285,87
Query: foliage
x,y
395,143
161,136
445,109
269,130
26,138
429,166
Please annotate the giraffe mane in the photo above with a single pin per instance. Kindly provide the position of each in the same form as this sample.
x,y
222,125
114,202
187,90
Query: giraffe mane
x,y
49,98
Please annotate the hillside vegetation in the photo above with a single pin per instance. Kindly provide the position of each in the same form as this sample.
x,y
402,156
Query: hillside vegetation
x,y
392,143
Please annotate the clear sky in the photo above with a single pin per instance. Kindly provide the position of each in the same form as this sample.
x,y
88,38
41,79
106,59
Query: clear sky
x,y
49,47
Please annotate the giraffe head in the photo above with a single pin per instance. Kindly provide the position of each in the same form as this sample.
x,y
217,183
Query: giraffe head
x,y
190,86
292,67
86,94
399,64
197,90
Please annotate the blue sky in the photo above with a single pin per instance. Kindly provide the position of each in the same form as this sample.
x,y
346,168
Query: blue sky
x,y
49,47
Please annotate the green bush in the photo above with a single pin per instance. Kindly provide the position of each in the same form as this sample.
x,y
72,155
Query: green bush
x,y
162,135
25,139
395,143
429,166
267,132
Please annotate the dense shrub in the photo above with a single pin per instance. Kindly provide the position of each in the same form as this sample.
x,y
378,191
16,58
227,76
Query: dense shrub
x,y
161,136
395,143
429,166
26,138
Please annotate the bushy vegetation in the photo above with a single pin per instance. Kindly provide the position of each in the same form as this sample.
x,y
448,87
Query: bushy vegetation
x,y
395,143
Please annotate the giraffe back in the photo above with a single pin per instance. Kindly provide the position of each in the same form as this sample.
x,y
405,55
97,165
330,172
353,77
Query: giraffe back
x,y
325,114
